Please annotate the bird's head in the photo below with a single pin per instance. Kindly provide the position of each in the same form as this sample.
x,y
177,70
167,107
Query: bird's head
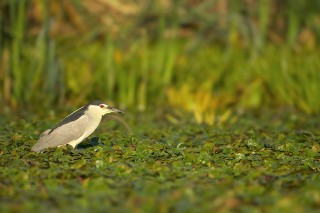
x,y
100,108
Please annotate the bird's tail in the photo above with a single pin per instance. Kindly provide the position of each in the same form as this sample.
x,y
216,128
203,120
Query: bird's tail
x,y
42,142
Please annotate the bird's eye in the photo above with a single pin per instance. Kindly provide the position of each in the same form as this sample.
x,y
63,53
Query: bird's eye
x,y
101,106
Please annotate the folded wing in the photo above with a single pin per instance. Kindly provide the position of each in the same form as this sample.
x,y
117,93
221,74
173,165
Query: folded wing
x,y
62,135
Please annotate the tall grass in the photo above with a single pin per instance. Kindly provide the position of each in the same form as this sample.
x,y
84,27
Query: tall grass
x,y
238,63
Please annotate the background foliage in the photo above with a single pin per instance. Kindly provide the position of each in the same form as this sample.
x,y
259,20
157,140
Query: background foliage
x,y
199,56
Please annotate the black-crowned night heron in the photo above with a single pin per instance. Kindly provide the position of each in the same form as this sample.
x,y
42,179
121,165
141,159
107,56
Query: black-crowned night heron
x,y
75,127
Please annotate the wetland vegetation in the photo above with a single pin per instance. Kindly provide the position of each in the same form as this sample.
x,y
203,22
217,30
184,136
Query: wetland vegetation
x,y
221,102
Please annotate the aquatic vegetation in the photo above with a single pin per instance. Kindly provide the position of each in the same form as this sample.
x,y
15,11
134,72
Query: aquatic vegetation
x,y
253,165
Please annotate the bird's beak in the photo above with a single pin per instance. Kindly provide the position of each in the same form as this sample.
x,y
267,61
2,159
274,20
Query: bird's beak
x,y
116,110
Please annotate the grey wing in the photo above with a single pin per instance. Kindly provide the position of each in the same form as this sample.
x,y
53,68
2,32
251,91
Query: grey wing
x,y
62,135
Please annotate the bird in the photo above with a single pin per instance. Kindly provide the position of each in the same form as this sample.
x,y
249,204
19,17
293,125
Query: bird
x,y
74,128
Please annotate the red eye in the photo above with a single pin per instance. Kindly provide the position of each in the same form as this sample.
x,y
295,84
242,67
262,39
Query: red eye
x,y
101,106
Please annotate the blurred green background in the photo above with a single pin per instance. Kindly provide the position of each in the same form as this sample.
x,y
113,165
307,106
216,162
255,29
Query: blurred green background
x,y
209,58
248,72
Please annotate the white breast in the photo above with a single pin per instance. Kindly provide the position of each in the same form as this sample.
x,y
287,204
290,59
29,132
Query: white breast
x,y
93,123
